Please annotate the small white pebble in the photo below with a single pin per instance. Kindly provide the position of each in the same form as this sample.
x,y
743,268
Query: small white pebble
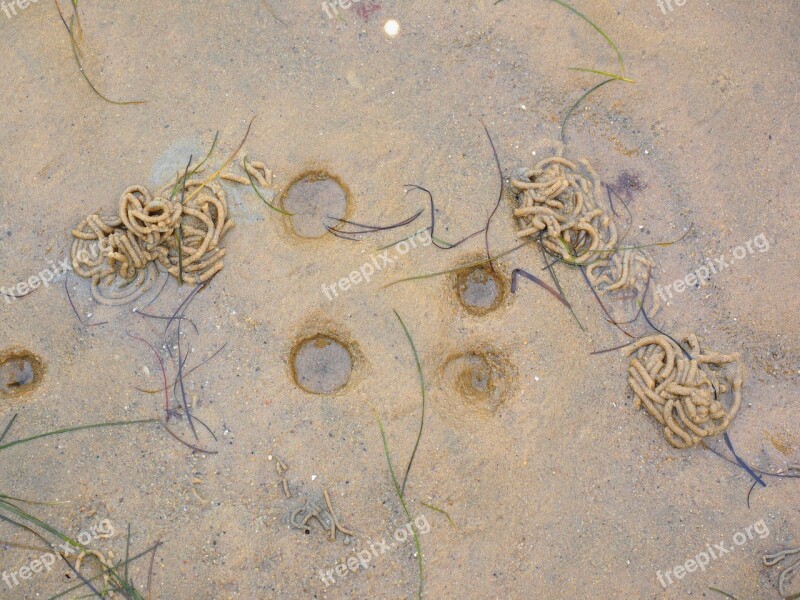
x,y
313,477
392,28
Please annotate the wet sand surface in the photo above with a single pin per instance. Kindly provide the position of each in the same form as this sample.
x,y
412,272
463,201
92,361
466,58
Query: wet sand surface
x,y
556,485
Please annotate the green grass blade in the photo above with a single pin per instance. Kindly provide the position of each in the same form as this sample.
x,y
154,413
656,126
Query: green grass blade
x,y
400,496
39,523
46,541
422,389
6,544
435,239
456,269
615,249
179,243
603,73
78,428
558,286
76,54
569,304
8,428
581,99
203,184
182,180
32,502
26,528
258,193
127,550
104,571
439,510
120,583
726,594
600,31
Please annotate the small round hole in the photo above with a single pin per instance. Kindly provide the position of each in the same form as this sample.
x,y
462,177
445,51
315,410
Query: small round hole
x,y
20,372
480,289
316,199
321,364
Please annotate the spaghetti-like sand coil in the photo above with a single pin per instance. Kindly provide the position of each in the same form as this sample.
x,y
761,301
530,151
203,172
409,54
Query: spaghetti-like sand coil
x,y
683,394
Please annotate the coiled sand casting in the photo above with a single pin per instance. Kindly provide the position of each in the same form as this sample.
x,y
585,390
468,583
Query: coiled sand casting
x,y
788,573
684,394
143,239
557,205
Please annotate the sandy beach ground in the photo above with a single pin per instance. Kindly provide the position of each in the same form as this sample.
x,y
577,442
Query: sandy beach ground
x,y
557,486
